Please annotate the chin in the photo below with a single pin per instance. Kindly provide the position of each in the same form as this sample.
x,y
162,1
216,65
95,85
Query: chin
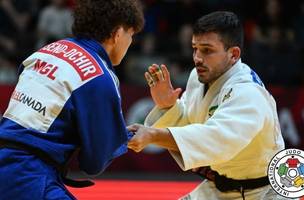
x,y
200,79
115,63
204,80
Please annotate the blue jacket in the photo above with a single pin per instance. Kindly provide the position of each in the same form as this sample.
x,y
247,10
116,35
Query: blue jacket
x,y
68,96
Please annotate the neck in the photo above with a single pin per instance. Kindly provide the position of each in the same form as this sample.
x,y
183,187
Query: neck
x,y
108,48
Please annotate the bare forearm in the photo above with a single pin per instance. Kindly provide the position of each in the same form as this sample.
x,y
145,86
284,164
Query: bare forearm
x,y
163,138
144,136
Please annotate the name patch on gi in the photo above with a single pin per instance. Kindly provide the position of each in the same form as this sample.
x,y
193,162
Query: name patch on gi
x,y
29,102
85,64
45,69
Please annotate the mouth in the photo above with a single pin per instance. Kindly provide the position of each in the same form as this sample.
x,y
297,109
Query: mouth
x,y
201,70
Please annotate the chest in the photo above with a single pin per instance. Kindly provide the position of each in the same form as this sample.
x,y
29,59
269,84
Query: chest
x,y
200,107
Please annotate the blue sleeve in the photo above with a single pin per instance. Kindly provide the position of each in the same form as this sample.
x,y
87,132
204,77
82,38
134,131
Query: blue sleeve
x,y
100,122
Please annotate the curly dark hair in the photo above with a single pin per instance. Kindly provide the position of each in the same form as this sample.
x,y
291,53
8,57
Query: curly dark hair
x,y
98,19
225,24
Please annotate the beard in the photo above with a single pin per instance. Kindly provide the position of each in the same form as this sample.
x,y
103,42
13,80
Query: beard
x,y
203,73
207,76
202,80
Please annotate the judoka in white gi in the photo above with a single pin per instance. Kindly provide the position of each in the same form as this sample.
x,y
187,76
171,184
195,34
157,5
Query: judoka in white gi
x,y
232,127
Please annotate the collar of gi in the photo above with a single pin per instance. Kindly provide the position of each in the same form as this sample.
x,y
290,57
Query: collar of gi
x,y
98,48
224,77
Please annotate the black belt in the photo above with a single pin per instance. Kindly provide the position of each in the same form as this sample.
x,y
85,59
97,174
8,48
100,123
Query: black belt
x,y
225,184
62,169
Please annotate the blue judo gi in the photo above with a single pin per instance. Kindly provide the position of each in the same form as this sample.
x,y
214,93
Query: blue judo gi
x,y
67,97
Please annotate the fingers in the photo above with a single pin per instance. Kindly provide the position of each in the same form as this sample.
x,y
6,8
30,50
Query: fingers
x,y
140,138
154,75
165,72
153,70
134,149
135,145
133,127
149,79
177,92
159,73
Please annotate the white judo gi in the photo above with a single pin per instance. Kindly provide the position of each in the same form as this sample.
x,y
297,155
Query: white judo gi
x,y
234,129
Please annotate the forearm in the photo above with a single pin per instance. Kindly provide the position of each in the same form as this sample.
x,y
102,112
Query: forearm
x,y
176,116
162,137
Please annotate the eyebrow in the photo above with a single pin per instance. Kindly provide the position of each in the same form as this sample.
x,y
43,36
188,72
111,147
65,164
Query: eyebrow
x,y
202,44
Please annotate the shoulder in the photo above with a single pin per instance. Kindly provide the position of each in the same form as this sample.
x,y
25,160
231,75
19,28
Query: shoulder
x,y
246,82
244,90
81,60
65,63
248,95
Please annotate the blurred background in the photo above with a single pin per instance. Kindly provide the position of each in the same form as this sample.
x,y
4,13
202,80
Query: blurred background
x,y
274,48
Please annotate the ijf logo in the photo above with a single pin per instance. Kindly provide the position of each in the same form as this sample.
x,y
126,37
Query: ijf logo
x,y
286,173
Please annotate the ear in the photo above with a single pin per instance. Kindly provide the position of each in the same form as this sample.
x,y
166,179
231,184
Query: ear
x,y
234,54
117,34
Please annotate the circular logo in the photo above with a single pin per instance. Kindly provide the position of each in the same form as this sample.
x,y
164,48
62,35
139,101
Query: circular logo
x,y
286,173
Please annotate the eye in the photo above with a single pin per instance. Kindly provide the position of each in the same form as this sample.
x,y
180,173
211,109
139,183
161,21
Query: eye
x,y
206,50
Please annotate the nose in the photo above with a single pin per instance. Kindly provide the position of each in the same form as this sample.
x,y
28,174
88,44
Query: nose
x,y
197,58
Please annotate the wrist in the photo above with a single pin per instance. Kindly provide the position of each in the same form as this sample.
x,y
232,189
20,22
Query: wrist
x,y
154,135
158,134
165,107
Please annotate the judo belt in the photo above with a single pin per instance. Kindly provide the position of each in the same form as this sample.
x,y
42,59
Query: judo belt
x,y
225,184
62,169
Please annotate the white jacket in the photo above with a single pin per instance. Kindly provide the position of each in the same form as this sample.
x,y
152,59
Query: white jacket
x,y
234,128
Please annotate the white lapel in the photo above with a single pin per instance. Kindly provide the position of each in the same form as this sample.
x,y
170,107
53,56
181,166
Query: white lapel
x,y
214,89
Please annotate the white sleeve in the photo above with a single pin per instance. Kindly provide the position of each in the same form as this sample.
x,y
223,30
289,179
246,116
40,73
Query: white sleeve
x,y
175,116
233,125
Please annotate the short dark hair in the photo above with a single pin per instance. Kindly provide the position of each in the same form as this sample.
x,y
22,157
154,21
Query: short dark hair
x,y
225,24
98,19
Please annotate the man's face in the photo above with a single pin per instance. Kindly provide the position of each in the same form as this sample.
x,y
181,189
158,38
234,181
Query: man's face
x,y
124,40
210,57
